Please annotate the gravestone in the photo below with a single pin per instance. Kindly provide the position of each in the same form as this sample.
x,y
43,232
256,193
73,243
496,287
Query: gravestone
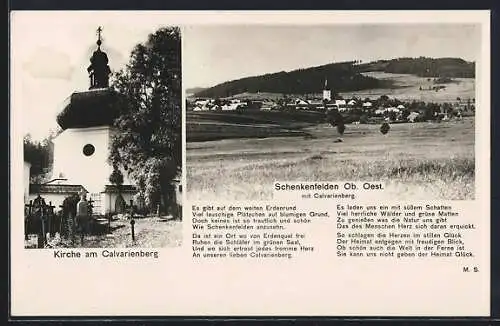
x,y
140,203
39,220
82,215
68,216
120,205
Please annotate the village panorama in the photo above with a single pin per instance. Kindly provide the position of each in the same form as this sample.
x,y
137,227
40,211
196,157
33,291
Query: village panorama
x,y
434,99
407,122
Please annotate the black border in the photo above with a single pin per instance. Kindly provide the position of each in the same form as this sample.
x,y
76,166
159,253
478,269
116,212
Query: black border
x,y
495,175
249,5
491,5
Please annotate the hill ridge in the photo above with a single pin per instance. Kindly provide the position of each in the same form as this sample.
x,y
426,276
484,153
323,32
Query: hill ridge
x,y
342,76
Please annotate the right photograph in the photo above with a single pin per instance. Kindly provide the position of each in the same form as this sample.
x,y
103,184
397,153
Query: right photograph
x,y
394,103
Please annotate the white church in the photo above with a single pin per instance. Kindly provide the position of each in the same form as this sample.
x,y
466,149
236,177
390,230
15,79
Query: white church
x,y
327,93
81,150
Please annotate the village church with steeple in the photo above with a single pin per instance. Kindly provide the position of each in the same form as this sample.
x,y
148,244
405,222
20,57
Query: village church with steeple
x,y
82,149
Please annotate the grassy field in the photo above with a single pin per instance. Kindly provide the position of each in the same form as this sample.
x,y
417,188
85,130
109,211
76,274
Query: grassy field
x,y
202,126
419,161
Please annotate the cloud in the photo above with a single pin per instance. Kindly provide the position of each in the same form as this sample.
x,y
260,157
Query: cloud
x,y
116,58
45,62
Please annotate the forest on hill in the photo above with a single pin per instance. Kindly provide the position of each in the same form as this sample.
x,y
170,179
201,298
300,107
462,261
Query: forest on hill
x,y
423,67
342,77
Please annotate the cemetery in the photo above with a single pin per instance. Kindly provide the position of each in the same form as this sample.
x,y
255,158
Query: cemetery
x,y
75,225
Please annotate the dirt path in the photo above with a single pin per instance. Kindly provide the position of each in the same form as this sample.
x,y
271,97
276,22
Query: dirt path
x,y
150,232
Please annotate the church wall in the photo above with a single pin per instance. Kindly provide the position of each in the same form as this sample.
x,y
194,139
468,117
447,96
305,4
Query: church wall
x,y
178,193
109,200
327,95
27,167
91,170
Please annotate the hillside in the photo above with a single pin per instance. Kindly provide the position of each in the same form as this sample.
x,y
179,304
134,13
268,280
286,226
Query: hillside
x,y
423,67
195,90
411,87
341,77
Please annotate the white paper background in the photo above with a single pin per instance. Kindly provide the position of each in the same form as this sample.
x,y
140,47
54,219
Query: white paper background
x,y
318,284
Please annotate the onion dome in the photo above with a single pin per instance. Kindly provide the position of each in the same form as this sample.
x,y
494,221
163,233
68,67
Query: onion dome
x,y
99,70
92,108
99,106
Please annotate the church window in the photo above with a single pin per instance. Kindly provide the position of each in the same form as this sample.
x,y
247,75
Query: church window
x,y
88,149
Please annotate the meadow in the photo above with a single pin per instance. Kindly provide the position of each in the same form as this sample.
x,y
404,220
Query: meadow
x,y
407,88
428,160
202,126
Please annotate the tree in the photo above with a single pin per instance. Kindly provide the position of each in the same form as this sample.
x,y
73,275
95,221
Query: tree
x,y
335,119
340,128
384,98
392,115
39,155
148,142
384,128
116,178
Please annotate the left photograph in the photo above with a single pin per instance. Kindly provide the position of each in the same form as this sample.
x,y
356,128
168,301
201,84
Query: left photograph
x,y
102,127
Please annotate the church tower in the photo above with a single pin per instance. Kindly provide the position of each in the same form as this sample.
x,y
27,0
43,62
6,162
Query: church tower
x,y
99,70
327,94
81,151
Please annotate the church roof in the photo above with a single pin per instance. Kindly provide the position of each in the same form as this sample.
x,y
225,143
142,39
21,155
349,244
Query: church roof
x,y
92,108
123,188
99,105
55,189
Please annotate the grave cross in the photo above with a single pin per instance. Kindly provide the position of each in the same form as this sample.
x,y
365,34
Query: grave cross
x,y
132,221
29,205
51,219
27,217
91,206
62,221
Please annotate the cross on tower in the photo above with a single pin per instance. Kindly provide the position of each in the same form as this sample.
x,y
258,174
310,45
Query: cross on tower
x,y
99,70
99,41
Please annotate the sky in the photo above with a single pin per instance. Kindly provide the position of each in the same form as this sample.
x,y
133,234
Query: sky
x,y
50,51
218,53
